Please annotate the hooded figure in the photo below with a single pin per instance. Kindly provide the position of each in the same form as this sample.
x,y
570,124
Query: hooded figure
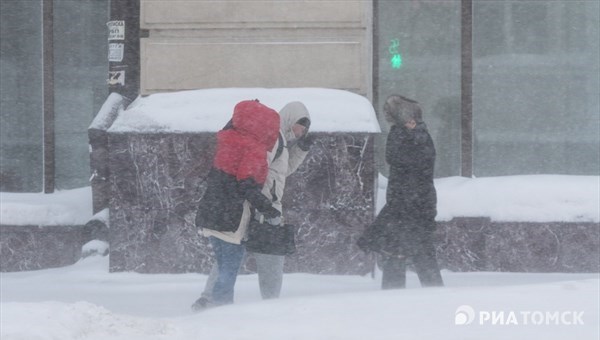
x,y
295,122
234,186
239,170
294,143
284,159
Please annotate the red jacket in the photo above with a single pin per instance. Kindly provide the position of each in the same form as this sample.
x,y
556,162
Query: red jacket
x,y
240,167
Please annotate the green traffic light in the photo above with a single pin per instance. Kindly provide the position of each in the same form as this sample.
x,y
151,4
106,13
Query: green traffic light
x,y
396,61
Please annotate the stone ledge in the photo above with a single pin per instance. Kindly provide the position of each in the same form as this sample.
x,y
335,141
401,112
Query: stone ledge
x,y
32,247
463,244
38,247
478,244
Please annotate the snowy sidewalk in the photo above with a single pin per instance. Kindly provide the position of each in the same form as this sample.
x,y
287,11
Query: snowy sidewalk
x,y
84,301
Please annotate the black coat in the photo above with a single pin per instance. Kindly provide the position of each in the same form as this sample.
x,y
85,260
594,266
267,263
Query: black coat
x,y
411,156
408,217
221,207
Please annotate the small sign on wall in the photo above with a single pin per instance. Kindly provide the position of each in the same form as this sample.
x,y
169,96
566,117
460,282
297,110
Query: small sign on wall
x,y
116,30
116,78
115,52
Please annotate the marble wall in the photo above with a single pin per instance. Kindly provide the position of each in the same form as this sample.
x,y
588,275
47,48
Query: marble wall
x,y
28,247
156,181
477,244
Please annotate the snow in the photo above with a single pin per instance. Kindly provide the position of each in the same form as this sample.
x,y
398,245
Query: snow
x,y
209,110
85,301
109,110
63,207
523,198
532,198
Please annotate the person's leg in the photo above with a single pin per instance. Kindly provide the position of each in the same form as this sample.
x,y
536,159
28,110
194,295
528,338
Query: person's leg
x,y
394,272
229,259
425,263
270,274
206,297
210,282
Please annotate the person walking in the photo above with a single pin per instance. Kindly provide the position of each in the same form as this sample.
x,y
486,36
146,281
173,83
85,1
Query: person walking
x,y
404,228
294,143
285,158
234,186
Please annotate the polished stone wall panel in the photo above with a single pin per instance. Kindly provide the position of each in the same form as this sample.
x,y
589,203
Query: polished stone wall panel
x,y
157,181
34,247
477,244
331,199
156,184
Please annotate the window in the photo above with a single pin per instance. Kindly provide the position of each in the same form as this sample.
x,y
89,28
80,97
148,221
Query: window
x,y
76,79
426,36
535,88
21,106
535,82
80,87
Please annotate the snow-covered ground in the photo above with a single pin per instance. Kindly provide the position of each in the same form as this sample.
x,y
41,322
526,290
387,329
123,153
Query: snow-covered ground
x,y
85,301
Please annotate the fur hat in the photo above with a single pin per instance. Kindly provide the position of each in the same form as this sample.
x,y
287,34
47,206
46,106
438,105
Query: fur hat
x,y
401,109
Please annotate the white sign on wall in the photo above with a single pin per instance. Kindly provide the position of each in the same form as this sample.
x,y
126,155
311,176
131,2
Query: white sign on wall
x,y
116,30
115,52
116,78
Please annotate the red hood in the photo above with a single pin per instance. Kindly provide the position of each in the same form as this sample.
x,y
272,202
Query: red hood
x,y
257,121
242,150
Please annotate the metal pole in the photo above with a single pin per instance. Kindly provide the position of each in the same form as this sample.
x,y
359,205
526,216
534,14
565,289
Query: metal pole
x,y
48,93
467,88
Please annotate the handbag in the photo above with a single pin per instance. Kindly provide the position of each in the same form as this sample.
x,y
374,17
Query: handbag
x,y
270,239
389,235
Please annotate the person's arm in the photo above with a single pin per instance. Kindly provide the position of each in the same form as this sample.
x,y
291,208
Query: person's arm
x,y
276,178
250,179
295,159
409,148
398,151
251,192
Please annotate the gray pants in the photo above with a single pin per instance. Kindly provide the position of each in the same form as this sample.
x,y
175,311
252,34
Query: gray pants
x,y
270,276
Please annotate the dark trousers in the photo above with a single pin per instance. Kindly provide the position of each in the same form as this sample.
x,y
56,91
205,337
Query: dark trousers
x,y
424,261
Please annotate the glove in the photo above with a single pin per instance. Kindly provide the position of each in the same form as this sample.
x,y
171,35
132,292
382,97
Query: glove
x,y
274,220
306,142
271,213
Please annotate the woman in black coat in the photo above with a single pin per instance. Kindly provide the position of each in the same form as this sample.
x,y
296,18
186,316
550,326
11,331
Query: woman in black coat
x,y
404,227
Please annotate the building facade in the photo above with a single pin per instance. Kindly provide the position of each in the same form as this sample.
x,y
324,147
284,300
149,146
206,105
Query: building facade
x,y
508,87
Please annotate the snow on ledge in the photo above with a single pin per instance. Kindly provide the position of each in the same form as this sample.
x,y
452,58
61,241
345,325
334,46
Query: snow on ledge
x,y
64,207
209,110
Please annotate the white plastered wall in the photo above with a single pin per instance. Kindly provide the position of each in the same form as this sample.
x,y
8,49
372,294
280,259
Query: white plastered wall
x,y
195,44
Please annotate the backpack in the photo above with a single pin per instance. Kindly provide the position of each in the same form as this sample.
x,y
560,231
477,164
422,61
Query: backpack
x,y
279,147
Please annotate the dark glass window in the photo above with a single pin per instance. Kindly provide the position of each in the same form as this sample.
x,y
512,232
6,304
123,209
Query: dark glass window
x,y
21,105
535,100
426,37
80,88
535,81
78,84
